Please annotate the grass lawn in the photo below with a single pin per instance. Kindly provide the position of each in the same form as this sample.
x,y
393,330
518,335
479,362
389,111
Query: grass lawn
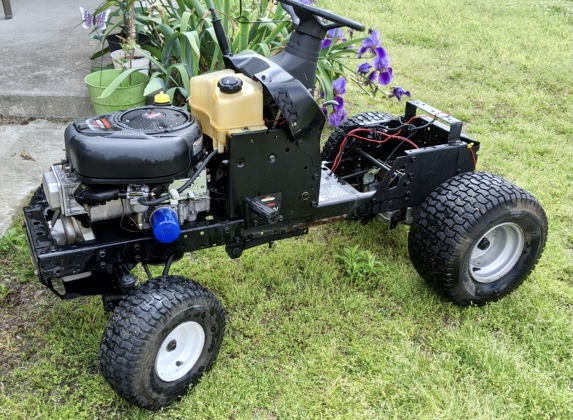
x,y
305,340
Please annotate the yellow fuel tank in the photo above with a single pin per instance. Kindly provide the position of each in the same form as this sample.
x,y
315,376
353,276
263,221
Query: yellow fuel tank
x,y
222,111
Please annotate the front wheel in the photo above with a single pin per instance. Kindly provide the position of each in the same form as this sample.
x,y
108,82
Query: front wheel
x,y
160,340
477,237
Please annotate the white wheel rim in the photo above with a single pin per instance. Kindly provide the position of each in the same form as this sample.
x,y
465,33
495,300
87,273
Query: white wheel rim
x,y
496,253
179,351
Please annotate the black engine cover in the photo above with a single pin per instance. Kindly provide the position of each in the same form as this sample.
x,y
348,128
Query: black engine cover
x,y
142,145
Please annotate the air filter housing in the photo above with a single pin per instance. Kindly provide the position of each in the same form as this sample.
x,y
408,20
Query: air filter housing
x,y
152,144
153,120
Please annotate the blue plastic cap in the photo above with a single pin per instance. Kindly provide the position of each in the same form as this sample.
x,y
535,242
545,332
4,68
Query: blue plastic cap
x,y
165,225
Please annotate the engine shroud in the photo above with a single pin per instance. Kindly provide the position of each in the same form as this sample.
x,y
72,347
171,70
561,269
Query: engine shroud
x,y
142,145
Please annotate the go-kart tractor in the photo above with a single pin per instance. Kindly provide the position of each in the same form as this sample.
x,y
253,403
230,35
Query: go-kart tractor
x,y
244,168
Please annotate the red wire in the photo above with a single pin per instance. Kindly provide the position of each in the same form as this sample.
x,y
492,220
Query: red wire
x,y
397,136
352,133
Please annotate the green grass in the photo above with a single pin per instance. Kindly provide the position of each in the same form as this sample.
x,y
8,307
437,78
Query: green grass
x,y
309,339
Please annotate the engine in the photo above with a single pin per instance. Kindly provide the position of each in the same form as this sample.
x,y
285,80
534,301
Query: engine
x,y
142,167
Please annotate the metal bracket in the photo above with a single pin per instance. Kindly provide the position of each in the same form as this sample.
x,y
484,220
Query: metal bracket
x,y
455,124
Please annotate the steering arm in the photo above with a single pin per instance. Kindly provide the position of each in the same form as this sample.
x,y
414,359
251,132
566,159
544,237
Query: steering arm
x,y
301,12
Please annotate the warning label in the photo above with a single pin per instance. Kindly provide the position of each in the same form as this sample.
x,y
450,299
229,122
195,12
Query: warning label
x,y
331,192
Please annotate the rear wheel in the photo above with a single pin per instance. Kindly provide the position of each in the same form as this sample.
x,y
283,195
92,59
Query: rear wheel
x,y
364,120
477,237
160,340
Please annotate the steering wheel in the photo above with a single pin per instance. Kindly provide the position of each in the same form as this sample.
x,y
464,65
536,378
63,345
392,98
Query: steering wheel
x,y
300,9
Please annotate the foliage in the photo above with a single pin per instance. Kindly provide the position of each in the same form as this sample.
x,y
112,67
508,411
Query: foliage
x,y
187,46
14,240
183,45
360,265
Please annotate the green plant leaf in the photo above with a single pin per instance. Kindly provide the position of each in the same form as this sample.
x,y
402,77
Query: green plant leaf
x,y
151,58
191,53
263,49
154,84
100,53
325,81
185,19
183,74
117,82
197,7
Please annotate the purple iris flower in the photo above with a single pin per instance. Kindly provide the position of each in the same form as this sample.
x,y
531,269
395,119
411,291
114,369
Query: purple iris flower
x,y
333,35
382,70
381,59
364,68
338,114
399,91
339,86
340,101
337,117
370,43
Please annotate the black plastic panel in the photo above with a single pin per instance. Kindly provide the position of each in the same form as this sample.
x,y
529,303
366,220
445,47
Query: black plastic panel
x,y
142,145
269,163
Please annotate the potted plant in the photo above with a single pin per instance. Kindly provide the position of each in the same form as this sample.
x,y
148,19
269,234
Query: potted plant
x,y
126,58
122,45
128,12
113,90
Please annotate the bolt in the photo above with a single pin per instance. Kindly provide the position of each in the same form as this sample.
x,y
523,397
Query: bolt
x,y
102,253
227,230
484,244
172,345
315,176
314,204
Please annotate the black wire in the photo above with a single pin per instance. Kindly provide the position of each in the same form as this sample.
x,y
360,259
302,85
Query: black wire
x,y
184,186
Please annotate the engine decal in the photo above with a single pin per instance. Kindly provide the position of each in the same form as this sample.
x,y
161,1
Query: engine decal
x,y
98,124
154,115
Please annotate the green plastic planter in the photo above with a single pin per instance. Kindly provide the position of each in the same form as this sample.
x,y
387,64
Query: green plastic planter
x,y
124,97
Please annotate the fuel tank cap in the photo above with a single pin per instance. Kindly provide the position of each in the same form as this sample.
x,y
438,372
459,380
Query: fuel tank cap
x,y
230,84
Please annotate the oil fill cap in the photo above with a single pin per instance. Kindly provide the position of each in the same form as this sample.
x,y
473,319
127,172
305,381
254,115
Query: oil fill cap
x,y
230,84
161,99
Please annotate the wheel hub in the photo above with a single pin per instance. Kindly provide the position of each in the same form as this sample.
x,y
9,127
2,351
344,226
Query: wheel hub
x,y
496,252
179,351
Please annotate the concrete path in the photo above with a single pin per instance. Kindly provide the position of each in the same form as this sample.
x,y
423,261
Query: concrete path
x,y
44,57
26,152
